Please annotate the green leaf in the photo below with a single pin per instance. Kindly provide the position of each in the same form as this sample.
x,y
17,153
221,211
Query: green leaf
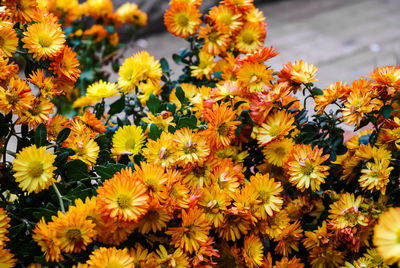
x,y
190,122
76,169
40,138
218,75
386,111
180,94
117,106
154,104
107,172
154,132
63,135
171,107
316,91
165,66
177,59
171,129
61,159
44,212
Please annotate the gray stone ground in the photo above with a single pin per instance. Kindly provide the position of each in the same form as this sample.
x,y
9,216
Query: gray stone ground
x,y
346,39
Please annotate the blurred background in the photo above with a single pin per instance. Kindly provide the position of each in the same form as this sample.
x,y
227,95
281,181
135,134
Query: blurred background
x,y
346,39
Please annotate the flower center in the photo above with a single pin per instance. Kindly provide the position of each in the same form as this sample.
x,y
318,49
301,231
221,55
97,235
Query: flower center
x,y
280,152
123,201
274,130
248,38
213,37
35,110
190,147
45,41
36,169
307,169
152,216
74,235
11,97
223,129
182,20
2,41
130,144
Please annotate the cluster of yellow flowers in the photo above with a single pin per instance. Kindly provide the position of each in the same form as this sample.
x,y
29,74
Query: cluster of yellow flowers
x,y
224,170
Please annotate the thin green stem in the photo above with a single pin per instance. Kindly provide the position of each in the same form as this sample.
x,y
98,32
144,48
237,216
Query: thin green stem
x,y
59,197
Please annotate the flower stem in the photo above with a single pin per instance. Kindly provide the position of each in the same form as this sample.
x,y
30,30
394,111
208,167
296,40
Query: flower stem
x,y
59,197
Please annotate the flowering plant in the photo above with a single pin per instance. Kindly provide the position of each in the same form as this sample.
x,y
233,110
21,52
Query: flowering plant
x,y
221,167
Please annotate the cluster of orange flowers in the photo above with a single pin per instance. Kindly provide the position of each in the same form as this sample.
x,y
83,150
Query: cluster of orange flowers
x,y
228,181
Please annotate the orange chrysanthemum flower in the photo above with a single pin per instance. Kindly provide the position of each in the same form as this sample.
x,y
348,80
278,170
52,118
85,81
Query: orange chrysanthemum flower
x,y
255,76
289,239
7,70
73,231
276,126
192,232
331,94
17,98
253,251
45,40
304,167
250,38
39,111
216,41
214,201
46,238
155,219
227,175
182,19
388,76
123,197
236,222
241,5
110,257
45,84
221,125
4,225
303,73
65,65
267,193
259,56
6,258
224,16
358,103
23,11
154,178
8,41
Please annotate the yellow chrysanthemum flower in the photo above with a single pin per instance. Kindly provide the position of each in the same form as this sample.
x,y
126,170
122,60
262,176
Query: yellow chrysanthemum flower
x,y
141,68
375,176
86,149
345,212
44,40
191,147
255,77
34,169
162,151
101,89
142,257
177,259
214,201
387,236
110,257
128,139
